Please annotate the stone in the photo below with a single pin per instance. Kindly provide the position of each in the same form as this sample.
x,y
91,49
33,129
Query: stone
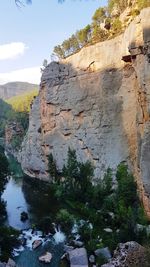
x,y
92,259
10,263
24,216
78,243
108,230
36,243
128,253
105,252
78,257
46,258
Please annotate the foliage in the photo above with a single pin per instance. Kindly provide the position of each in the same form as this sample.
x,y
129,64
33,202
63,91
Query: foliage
x,y
105,25
119,4
116,26
15,111
99,15
52,169
110,211
98,34
22,103
7,234
65,219
8,240
77,176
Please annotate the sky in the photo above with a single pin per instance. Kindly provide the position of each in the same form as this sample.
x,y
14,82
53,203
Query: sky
x,y
29,33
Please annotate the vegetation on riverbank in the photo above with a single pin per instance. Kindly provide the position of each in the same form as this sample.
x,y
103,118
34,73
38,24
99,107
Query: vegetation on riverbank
x,y
8,235
105,213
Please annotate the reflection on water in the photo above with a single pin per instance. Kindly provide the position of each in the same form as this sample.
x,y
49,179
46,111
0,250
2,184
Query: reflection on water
x,y
29,258
16,203
30,195
36,198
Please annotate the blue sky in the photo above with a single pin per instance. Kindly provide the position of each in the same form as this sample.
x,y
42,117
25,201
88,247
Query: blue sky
x,y
28,34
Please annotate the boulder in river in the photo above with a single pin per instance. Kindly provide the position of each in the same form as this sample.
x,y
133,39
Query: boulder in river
x,y
36,243
105,252
10,263
24,216
46,258
78,257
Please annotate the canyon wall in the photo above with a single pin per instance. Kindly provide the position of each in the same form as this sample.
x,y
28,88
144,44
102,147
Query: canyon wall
x,y
98,103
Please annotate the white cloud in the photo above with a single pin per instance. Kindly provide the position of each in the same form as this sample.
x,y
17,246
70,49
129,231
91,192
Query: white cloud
x,y
31,75
12,50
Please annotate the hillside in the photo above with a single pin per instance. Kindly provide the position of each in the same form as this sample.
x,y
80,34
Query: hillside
x,y
14,116
22,102
11,89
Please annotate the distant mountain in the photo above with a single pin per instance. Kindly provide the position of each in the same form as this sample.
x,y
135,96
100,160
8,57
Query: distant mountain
x,y
11,89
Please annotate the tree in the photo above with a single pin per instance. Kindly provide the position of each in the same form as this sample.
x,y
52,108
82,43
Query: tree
x,y
99,15
98,34
52,169
83,35
59,52
74,44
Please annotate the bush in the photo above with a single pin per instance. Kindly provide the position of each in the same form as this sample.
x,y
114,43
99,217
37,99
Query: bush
x,y
52,169
65,219
116,26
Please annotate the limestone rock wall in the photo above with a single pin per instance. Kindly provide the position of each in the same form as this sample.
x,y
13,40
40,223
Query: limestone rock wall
x,y
98,103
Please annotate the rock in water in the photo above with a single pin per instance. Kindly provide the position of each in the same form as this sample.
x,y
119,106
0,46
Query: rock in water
x,y
36,244
10,263
105,252
78,257
46,257
24,216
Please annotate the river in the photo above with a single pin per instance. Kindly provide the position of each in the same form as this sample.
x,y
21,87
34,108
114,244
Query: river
x,y
32,196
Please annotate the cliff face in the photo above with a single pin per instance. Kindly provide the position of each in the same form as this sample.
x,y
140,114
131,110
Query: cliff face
x,y
97,102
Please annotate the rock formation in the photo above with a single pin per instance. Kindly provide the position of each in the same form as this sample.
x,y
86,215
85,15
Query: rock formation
x,y
129,254
98,103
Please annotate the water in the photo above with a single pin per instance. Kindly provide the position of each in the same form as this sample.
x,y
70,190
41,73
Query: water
x,y
36,198
16,204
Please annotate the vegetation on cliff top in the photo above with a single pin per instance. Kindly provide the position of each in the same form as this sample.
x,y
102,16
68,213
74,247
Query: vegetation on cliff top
x,y
106,24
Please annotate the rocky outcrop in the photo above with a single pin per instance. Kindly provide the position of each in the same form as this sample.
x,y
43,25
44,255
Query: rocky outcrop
x,y
11,89
129,254
32,157
14,133
98,103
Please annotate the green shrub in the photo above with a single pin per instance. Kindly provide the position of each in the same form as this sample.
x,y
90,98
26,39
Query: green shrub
x,y
52,169
65,219
116,26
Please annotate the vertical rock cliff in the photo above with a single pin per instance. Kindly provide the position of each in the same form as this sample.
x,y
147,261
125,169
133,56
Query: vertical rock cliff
x,y
97,102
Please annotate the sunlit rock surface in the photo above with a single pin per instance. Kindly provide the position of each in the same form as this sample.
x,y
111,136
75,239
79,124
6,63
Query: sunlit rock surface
x,y
98,103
